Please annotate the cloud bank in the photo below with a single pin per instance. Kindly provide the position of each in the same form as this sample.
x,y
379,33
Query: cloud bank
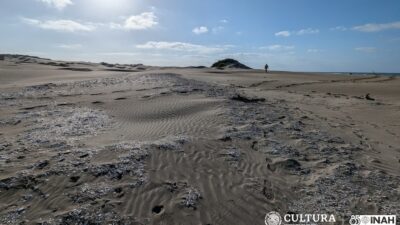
x,y
278,47
180,46
286,33
59,25
58,4
376,27
142,21
366,49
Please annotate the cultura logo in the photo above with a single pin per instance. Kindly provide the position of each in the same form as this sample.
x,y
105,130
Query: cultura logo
x,y
274,218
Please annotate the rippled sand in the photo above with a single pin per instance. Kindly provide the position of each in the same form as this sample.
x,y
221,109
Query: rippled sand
x,y
94,144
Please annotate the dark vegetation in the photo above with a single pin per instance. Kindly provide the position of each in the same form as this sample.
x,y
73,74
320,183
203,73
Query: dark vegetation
x,y
77,69
229,64
246,99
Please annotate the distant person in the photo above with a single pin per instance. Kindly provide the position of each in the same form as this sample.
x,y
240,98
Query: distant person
x,y
266,68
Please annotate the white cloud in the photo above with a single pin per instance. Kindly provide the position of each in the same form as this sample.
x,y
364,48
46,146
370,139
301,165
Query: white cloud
x,y
120,53
224,21
314,50
375,27
338,28
58,4
307,31
283,33
59,25
286,33
200,30
226,46
180,46
278,47
70,46
366,49
142,21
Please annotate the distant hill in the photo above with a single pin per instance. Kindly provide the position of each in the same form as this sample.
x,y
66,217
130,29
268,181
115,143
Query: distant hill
x,y
72,65
20,58
229,64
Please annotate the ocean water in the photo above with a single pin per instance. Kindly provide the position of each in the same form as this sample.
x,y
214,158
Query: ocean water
x,y
365,74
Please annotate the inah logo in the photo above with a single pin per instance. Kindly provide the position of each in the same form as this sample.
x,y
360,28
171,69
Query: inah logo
x,y
273,218
373,220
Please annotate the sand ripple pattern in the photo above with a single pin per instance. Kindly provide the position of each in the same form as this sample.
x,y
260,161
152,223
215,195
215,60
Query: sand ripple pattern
x,y
168,115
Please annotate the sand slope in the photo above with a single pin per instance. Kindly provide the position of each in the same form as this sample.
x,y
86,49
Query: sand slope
x,y
178,146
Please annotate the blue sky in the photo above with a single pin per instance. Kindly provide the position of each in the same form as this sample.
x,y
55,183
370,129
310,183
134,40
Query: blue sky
x,y
301,35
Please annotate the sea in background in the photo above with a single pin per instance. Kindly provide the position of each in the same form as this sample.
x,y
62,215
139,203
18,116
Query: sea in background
x,y
363,74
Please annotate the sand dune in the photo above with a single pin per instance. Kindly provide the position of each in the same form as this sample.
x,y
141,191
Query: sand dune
x,y
178,146
167,115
